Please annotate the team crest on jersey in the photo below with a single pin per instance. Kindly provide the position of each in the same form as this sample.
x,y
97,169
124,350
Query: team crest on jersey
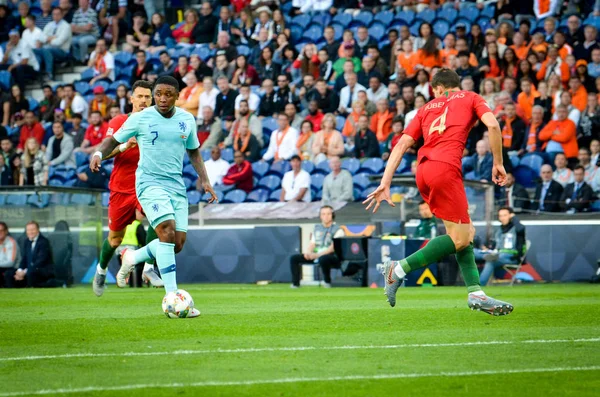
x,y
182,126
155,207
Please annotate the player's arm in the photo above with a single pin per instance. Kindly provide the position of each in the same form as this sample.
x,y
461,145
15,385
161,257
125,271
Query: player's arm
x,y
110,143
121,148
495,134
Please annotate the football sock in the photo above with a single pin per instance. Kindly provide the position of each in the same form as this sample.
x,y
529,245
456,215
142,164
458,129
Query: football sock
x,y
106,253
468,268
146,253
435,250
151,236
165,258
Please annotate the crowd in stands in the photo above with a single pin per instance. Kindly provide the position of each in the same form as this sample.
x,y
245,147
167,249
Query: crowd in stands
x,y
301,100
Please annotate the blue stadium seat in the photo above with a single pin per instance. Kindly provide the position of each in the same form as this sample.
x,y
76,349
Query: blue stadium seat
x,y
338,31
316,181
205,154
357,193
525,176
316,195
203,52
5,80
302,20
361,181
342,18
190,172
102,83
227,154
296,33
469,13
270,182
55,182
189,183
467,162
515,161
33,104
88,74
269,123
592,20
385,17
105,197
414,28
464,21
427,15
82,199
363,18
260,168
258,196
194,197
279,168
323,167
366,192
274,196
447,13
186,159
339,122
352,165
441,28
372,165
16,199
378,31
123,59
595,206
117,83
489,11
313,33
484,23
533,161
407,16
206,196
322,18
308,166
404,166
83,87
243,50
235,196
124,73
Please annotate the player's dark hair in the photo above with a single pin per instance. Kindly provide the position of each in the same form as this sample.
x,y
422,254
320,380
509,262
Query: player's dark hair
x,y
509,209
446,78
167,80
422,202
143,84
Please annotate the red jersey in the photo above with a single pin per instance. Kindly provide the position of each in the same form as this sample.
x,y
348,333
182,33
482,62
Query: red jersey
x,y
122,178
96,134
445,123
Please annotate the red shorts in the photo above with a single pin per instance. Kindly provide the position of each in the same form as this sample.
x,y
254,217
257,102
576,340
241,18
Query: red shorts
x,y
121,210
441,185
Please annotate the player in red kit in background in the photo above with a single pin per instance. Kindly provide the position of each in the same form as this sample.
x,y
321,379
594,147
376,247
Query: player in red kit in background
x,y
444,123
123,205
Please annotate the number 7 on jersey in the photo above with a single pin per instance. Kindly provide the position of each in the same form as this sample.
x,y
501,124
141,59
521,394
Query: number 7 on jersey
x,y
155,137
439,124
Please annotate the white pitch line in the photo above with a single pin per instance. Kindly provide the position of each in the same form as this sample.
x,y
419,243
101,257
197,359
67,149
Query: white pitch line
x,y
295,380
294,349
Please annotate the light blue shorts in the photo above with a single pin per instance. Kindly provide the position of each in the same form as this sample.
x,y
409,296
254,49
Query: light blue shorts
x,y
160,205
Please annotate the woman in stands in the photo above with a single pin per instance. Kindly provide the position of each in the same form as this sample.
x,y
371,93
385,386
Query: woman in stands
x,y
279,24
308,61
305,140
526,70
162,37
15,108
328,142
246,26
425,33
429,56
183,34
544,100
34,169
351,125
510,62
476,40
267,69
491,65
505,33
244,73
488,89
122,99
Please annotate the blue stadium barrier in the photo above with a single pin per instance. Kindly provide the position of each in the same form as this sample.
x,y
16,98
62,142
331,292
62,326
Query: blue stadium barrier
x,y
258,196
39,200
194,197
105,199
235,196
2,199
270,182
82,199
16,199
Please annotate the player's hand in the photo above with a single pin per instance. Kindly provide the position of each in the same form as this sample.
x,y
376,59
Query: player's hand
x,y
382,193
208,189
499,175
95,163
130,143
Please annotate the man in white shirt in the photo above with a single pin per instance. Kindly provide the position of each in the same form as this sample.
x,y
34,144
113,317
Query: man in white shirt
x,y
32,35
349,93
250,97
23,63
58,41
73,103
295,185
102,61
254,124
216,167
283,140
207,98
562,174
376,90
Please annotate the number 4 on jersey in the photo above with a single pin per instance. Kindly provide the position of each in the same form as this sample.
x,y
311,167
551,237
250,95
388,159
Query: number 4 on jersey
x,y
439,124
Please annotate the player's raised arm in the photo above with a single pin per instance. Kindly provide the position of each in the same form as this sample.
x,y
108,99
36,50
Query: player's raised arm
x,y
498,171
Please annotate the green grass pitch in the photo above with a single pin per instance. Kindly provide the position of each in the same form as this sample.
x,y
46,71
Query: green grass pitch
x,y
274,341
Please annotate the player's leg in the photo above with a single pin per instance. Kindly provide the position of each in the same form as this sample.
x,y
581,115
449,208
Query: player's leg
x,y
149,274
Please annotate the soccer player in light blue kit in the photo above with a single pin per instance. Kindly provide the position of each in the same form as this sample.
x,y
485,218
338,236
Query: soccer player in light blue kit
x,y
163,133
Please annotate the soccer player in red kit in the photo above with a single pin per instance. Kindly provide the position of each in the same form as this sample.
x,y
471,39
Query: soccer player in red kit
x,y
123,205
444,123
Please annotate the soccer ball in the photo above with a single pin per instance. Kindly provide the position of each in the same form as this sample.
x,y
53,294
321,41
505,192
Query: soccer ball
x,y
177,304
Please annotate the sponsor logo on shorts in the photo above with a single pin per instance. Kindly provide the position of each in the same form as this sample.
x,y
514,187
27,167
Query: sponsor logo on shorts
x,y
155,207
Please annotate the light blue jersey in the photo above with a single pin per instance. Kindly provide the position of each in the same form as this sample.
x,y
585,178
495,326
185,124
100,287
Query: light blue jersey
x,y
163,143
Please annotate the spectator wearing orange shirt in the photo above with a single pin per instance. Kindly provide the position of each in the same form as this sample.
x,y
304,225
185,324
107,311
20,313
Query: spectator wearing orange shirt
x,y
554,65
532,138
519,46
30,129
101,102
406,59
513,129
328,142
429,56
560,41
526,99
462,45
381,122
449,50
351,125
490,65
561,135
578,93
